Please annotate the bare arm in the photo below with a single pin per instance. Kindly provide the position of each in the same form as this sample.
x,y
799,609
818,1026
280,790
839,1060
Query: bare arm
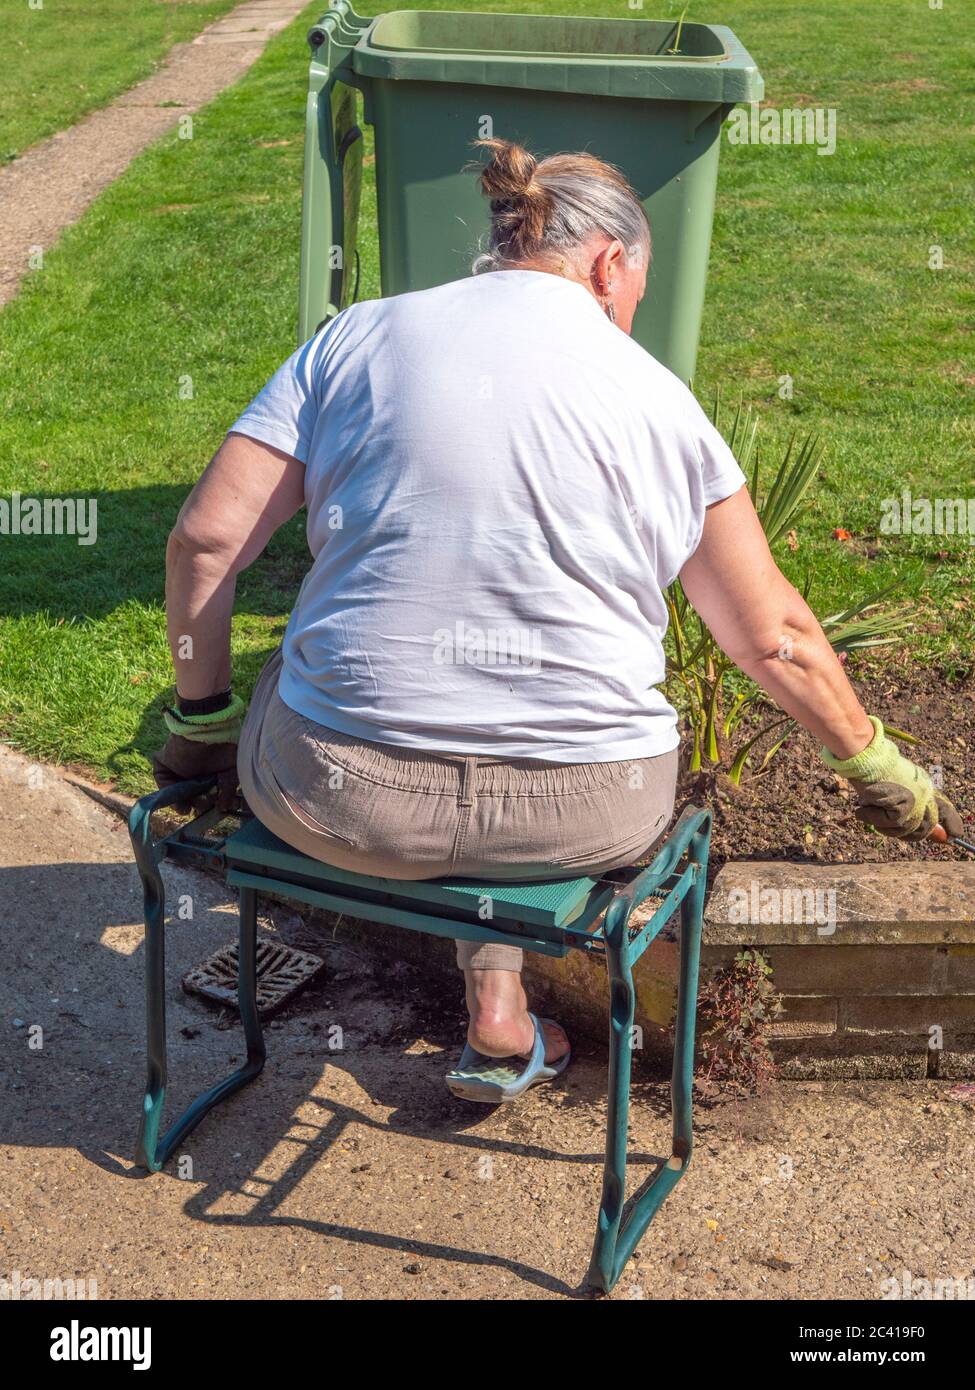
x,y
246,493
760,620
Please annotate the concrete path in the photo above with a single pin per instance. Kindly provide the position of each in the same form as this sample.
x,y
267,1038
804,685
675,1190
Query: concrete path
x,y
52,184
347,1171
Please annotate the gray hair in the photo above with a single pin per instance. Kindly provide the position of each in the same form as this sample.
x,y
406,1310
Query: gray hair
x,y
542,209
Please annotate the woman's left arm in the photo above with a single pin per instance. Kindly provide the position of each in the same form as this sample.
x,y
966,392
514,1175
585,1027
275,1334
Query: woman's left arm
x,y
247,492
769,630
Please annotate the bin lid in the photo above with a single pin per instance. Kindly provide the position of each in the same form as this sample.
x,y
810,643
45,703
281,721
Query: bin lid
x,y
576,55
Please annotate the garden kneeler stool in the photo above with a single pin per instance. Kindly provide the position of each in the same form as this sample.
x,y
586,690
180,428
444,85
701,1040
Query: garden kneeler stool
x,y
591,915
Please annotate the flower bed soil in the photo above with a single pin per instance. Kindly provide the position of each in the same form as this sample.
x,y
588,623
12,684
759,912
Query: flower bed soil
x,y
799,810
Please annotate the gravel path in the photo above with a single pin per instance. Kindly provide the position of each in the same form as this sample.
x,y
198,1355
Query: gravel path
x,y
52,184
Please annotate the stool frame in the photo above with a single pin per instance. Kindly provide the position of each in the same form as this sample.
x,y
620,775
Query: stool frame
x,y
599,924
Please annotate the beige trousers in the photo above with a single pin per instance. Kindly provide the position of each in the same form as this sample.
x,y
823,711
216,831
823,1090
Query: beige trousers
x,y
372,808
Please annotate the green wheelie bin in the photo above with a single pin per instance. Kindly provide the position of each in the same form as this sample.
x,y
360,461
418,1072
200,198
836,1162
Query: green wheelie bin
x,y
648,95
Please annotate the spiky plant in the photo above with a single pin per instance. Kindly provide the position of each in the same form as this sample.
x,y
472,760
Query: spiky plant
x,y
714,695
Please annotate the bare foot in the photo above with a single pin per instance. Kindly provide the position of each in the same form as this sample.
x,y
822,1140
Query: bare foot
x,y
556,1040
499,1023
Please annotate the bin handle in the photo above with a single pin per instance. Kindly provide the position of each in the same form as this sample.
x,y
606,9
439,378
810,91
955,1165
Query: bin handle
x,y
323,213
353,134
358,272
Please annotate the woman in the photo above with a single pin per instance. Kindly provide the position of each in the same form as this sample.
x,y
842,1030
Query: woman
x,y
500,484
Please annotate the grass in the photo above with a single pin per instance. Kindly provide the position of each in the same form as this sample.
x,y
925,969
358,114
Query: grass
x,y
819,269
188,268
68,57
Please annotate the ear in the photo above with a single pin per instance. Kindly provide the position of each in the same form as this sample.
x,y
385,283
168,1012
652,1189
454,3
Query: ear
x,y
608,265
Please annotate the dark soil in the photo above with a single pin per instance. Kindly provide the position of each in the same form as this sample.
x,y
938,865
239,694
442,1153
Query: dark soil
x,y
799,810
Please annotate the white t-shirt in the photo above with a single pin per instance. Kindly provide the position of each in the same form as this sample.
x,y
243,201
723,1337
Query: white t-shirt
x,y
500,484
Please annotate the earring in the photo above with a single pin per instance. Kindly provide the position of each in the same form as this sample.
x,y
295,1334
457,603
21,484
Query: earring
x,y
611,311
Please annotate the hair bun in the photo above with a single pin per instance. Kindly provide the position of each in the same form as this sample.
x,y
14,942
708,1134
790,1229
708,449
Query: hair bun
x,y
507,177
520,203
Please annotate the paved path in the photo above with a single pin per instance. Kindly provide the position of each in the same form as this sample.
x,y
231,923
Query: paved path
x,y
51,184
351,1172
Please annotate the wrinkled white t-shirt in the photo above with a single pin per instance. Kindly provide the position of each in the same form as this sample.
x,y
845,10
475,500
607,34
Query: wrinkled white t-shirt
x,y
500,484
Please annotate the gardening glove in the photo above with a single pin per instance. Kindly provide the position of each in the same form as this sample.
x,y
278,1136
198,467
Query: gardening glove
x,y
896,796
202,745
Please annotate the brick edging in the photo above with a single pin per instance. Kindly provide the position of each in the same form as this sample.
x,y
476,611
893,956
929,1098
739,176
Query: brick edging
x,y
876,962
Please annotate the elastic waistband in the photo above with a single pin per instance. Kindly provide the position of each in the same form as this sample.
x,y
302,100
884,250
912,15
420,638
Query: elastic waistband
x,y
414,769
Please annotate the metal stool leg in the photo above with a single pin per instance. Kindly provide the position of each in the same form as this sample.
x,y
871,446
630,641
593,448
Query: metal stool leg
x,y
154,906
616,1239
153,1150
682,1077
602,1269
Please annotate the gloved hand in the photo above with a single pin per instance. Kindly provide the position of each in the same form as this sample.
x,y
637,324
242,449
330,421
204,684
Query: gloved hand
x,y
201,745
896,796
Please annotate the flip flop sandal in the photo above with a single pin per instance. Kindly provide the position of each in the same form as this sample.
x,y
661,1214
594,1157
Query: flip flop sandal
x,y
493,1080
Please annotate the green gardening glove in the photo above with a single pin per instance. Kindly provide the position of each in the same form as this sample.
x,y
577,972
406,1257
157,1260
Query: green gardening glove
x,y
896,796
202,745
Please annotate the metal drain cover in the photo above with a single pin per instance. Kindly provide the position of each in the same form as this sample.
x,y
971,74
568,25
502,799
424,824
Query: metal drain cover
x,y
281,973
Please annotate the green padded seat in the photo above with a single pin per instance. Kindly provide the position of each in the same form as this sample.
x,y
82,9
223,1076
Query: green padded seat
x,y
551,904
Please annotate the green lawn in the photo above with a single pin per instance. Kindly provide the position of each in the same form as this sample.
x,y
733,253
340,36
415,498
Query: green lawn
x,y
188,268
70,56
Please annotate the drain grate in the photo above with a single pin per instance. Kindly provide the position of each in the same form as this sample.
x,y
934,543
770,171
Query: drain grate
x,y
281,973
